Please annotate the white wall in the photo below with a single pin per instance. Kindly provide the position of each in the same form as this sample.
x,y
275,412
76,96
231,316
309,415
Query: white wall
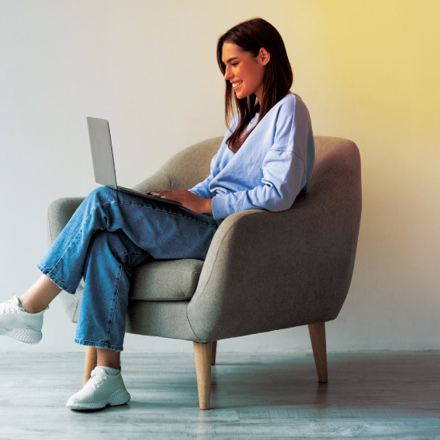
x,y
149,67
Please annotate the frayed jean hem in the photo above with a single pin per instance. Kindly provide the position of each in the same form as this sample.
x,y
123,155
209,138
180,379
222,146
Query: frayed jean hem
x,y
55,280
102,344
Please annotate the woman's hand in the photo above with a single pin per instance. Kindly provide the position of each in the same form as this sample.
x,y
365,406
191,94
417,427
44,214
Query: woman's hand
x,y
188,200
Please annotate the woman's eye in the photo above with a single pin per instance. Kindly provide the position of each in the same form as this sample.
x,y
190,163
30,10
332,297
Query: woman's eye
x,y
234,64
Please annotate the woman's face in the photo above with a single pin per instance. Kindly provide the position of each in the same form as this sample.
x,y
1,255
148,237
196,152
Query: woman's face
x,y
244,71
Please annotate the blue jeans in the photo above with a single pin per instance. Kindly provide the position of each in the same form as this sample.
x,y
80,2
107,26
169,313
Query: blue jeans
x,y
108,236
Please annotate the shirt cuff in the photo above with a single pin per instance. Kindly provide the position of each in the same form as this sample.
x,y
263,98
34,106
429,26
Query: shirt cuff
x,y
219,207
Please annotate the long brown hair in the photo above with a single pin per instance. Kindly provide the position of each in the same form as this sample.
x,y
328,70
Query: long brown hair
x,y
252,35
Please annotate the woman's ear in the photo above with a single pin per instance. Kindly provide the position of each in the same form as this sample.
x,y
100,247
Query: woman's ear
x,y
264,56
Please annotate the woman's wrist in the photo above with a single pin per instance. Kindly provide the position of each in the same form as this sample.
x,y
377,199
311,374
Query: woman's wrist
x,y
208,206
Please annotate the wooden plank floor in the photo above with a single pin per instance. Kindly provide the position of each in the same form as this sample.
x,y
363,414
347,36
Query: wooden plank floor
x,y
369,396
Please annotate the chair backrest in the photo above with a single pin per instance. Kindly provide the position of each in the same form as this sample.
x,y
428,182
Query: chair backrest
x,y
335,191
191,165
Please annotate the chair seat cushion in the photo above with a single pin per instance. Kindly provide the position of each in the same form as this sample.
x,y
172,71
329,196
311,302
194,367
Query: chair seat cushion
x,y
168,280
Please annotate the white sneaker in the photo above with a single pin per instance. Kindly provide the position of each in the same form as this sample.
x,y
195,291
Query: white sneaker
x,y
16,323
101,389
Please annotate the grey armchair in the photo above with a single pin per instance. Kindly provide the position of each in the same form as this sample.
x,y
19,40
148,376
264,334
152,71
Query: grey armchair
x,y
264,271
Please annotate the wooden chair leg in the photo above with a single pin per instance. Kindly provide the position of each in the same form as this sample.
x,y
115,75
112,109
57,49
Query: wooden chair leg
x,y
90,363
317,336
214,352
203,355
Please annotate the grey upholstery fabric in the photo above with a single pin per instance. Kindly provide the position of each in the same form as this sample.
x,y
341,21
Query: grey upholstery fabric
x,y
166,319
185,169
264,271
174,280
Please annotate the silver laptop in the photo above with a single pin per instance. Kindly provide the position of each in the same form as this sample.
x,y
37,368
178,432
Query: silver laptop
x,y
103,161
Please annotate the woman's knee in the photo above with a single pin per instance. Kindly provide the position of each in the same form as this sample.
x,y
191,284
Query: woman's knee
x,y
103,192
99,197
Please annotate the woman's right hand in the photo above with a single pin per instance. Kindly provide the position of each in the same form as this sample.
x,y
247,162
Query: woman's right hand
x,y
186,198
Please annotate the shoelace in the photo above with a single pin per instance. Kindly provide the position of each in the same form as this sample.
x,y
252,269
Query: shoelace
x,y
8,307
97,380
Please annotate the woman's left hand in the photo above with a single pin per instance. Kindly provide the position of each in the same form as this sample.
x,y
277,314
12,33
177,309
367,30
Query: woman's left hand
x,y
188,200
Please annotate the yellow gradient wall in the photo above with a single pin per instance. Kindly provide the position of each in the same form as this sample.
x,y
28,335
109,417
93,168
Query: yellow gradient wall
x,y
373,76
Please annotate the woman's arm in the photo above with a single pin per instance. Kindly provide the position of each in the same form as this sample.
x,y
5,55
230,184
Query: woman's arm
x,y
284,176
202,188
188,200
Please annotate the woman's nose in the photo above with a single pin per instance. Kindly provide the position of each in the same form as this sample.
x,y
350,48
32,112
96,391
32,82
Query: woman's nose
x,y
227,73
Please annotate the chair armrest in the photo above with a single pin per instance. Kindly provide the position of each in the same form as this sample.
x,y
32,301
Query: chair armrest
x,y
58,215
266,271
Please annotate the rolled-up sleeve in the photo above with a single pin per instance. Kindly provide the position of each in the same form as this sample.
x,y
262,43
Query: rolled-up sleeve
x,y
202,188
283,178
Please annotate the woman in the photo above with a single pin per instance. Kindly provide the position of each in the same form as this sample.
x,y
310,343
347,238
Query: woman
x,y
265,161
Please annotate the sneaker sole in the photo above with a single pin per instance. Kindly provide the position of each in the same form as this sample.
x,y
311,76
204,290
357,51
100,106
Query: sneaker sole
x,y
121,397
26,335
